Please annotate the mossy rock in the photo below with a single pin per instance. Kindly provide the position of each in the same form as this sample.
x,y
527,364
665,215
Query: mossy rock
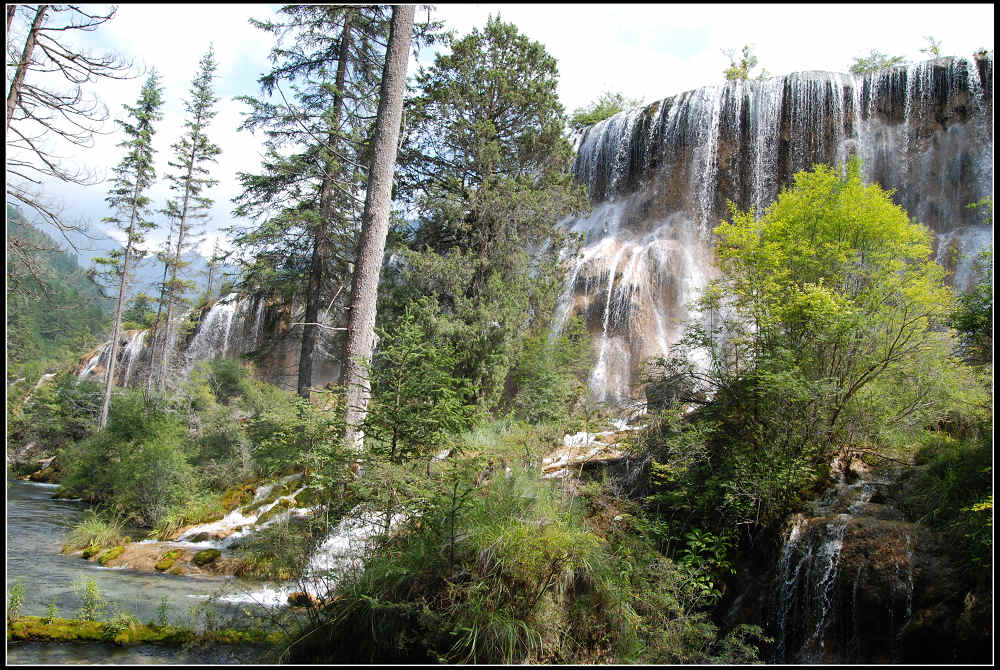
x,y
234,496
91,551
205,556
167,560
175,571
111,554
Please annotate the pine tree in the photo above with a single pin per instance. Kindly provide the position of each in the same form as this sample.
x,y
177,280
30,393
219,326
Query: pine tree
x,y
134,175
192,154
487,166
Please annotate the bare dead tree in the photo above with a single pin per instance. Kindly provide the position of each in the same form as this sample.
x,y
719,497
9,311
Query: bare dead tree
x,y
47,105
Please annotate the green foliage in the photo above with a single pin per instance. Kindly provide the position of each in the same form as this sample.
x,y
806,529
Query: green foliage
x,y
58,414
549,379
606,106
417,400
933,48
494,565
740,70
827,333
973,315
138,463
162,612
953,491
51,611
54,310
874,62
15,600
118,624
488,169
92,603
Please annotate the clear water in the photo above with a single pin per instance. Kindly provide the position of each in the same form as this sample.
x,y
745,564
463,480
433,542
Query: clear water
x,y
36,526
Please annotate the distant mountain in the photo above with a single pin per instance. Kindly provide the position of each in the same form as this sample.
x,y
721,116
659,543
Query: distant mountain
x,y
147,273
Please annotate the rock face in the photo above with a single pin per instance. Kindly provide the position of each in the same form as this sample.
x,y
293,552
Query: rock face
x,y
234,326
855,582
660,177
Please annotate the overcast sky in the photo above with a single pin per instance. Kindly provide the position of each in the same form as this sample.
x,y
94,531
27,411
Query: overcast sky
x,y
646,51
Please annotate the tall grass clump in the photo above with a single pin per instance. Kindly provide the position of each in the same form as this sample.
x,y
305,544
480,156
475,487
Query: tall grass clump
x,y
95,529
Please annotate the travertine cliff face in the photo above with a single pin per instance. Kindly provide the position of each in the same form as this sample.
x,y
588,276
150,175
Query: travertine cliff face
x,y
660,178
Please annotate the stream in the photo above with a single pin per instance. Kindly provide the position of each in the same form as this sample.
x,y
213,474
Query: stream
x,y
36,526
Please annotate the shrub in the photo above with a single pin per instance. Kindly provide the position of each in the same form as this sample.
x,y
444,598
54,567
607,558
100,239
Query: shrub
x,y
92,603
15,600
51,611
137,464
118,624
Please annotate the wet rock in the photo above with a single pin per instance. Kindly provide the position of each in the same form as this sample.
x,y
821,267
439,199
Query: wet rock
x,y
303,599
205,556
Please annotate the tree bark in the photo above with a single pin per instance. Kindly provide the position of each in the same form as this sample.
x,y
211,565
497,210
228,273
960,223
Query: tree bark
x,y
375,226
14,94
321,239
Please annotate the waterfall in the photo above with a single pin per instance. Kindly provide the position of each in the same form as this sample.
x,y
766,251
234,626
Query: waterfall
x,y
660,177
132,351
212,339
844,586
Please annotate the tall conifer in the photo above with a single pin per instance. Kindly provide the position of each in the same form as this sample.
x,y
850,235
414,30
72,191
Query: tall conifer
x,y
188,209
127,198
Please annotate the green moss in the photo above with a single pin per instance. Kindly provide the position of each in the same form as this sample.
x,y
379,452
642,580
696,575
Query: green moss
x,y
234,496
111,554
167,560
69,630
175,571
205,556
91,551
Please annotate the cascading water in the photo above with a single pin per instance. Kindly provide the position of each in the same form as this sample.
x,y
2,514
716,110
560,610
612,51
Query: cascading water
x,y
212,339
131,353
844,585
660,177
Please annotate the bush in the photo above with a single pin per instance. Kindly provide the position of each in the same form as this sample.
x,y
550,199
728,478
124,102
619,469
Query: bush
x,y
15,600
137,464
498,567
92,603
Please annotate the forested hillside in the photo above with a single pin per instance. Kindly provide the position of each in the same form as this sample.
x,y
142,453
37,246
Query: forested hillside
x,y
54,309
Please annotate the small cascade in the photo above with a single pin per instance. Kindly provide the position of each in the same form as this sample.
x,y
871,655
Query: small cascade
x,y
212,339
844,584
341,552
96,358
131,352
808,571
241,521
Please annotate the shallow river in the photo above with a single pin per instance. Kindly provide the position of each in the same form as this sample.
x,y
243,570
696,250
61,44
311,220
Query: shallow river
x,y
36,526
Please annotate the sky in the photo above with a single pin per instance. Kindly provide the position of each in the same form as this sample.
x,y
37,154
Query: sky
x,y
645,51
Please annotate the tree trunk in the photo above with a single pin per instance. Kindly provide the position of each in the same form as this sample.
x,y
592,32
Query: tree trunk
x,y
375,226
116,331
11,10
321,238
14,94
157,330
